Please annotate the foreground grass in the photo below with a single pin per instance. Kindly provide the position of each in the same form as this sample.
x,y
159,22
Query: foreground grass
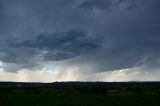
x,y
53,98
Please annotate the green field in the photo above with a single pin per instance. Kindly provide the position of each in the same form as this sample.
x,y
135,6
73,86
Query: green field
x,y
136,95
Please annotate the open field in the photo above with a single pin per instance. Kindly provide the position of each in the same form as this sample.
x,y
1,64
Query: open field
x,y
80,94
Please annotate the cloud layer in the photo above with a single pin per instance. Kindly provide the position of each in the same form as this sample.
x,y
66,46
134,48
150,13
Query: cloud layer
x,y
94,35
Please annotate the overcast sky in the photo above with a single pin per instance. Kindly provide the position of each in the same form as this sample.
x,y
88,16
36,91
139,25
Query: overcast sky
x,y
84,40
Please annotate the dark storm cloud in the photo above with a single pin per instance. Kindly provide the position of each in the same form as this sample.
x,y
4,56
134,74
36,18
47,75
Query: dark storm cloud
x,y
49,47
69,41
131,35
101,4
101,34
62,45
108,4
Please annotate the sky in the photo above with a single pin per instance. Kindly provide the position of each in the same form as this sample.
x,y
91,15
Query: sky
x,y
79,40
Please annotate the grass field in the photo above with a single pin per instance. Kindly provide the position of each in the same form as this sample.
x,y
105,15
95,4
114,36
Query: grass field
x,y
93,96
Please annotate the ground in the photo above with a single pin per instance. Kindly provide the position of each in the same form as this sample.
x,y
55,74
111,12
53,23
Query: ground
x,y
70,94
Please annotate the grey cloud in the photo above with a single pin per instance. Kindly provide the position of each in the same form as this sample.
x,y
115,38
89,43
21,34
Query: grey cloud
x,y
76,41
49,47
108,4
72,41
131,38
91,4
110,35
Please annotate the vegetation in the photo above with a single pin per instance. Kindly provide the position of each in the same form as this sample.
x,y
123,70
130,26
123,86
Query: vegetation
x,y
80,94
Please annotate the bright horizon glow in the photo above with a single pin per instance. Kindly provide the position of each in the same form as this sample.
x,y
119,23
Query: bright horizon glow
x,y
74,74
